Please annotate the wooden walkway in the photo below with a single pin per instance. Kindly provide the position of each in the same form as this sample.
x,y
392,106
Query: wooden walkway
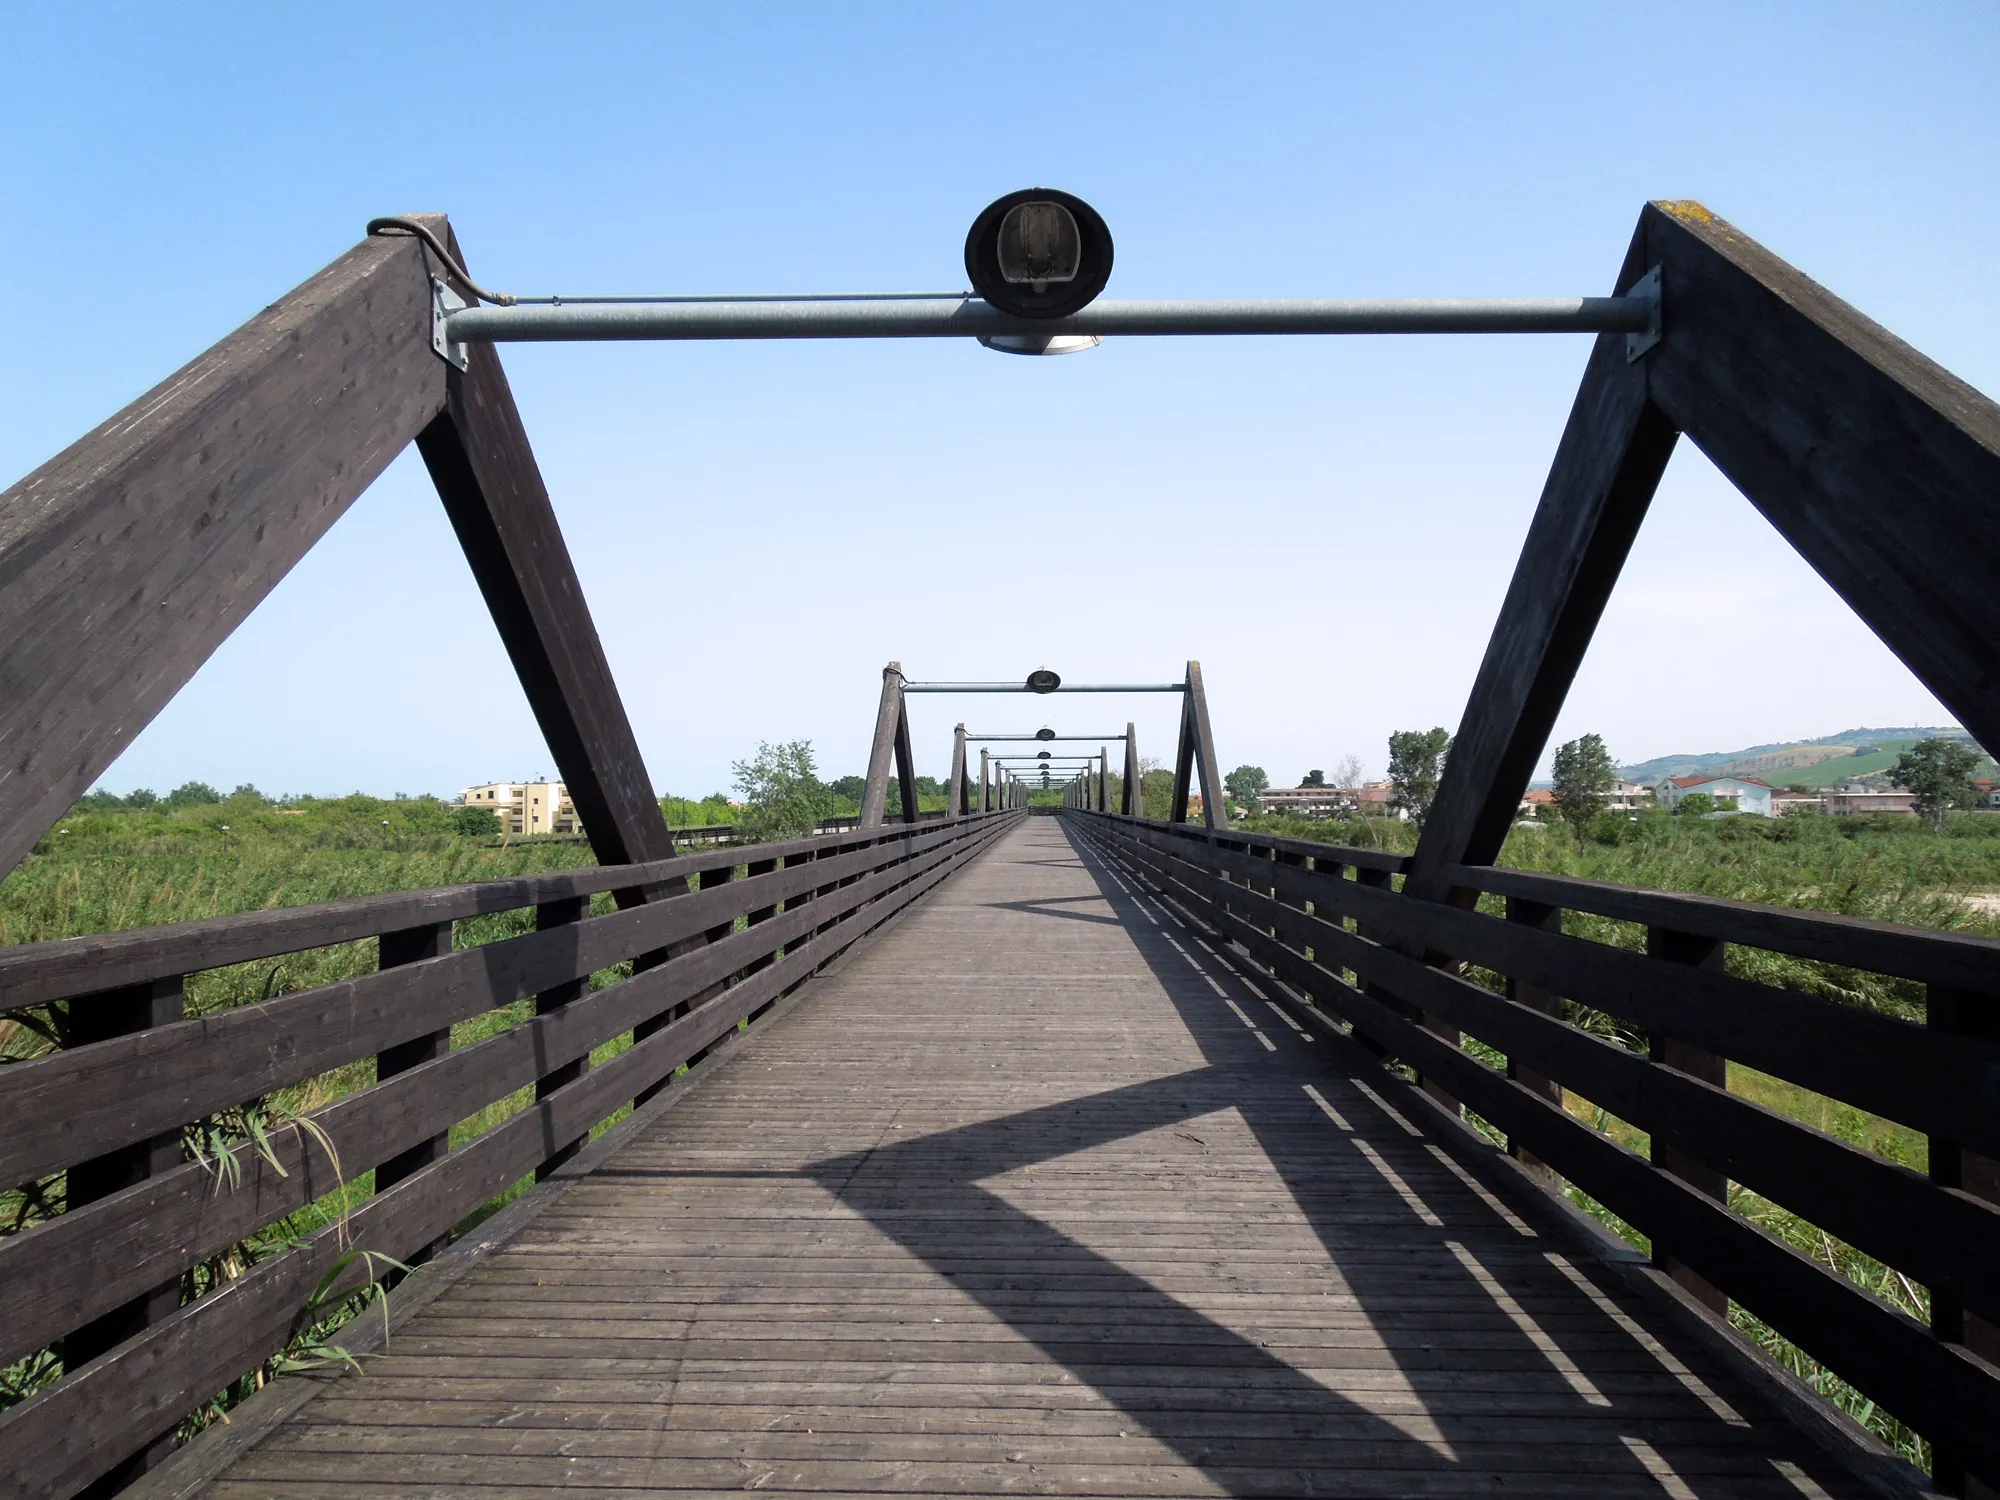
x,y
1033,1197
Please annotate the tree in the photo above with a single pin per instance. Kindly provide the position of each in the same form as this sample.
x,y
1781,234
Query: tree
x,y
476,822
1314,778
1940,773
1584,778
1416,764
193,794
1347,775
1246,784
1695,805
783,796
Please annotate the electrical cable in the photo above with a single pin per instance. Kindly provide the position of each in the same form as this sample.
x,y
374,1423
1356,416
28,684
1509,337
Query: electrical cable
x,y
384,225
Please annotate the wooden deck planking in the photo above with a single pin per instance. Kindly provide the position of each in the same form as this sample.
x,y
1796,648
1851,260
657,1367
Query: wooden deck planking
x,y
1033,1197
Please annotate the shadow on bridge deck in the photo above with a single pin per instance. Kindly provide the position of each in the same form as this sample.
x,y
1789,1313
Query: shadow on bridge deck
x,y
1035,1196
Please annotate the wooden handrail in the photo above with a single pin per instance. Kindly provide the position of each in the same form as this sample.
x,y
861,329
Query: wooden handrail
x,y
801,903
1286,919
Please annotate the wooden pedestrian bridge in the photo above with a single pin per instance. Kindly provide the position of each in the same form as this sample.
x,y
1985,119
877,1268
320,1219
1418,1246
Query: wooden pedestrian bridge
x,y
1008,1150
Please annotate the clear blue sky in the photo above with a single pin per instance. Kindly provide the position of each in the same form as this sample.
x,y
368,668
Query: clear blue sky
x,y
1327,524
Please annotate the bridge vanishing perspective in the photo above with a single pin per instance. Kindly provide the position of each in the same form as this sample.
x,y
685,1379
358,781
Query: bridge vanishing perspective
x,y
987,1152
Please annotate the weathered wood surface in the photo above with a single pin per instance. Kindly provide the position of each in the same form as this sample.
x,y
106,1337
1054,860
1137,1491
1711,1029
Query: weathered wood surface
x,y
129,557
478,455
1033,1197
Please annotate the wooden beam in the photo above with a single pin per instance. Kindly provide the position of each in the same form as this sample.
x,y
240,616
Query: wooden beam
x,y
1879,466
1610,459
1214,809
882,752
129,557
906,760
478,455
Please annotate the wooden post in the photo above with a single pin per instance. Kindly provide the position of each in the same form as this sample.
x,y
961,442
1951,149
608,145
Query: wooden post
x,y
1968,1014
958,806
1542,918
985,804
394,949
1133,798
548,916
886,749
1214,807
478,455
98,1018
1184,754
1696,952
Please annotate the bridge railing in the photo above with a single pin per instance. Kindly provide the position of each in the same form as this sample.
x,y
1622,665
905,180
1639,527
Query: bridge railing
x,y
153,1154
1348,949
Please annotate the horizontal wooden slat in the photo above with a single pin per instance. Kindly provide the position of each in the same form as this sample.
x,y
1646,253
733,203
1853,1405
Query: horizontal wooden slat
x,y
58,1275
38,973
1925,954
72,1105
1365,859
1943,1237
1894,1359
65,1436
1931,1081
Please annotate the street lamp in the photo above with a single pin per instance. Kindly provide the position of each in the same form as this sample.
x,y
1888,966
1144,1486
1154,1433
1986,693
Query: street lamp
x,y
1039,253
1042,680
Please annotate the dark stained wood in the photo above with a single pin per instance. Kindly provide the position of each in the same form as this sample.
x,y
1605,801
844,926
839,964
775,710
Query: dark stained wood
x,y
959,791
1214,801
1868,1342
1891,1212
1133,1258
554,914
890,727
485,472
130,556
1886,1066
1611,456
73,1432
1185,752
1922,953
1967,1013
59,1273
1543,918
71,1105
408,946
134,1008
1818,415
1697,952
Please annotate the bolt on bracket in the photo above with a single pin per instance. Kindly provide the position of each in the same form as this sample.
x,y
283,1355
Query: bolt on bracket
x,y
1645,289
443,301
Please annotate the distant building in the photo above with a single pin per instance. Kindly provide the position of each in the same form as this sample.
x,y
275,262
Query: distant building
x,y
1536,802
1741,794
1863,801
527,808
1306,801
1629,797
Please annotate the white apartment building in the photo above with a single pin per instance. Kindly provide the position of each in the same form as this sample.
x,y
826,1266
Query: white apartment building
x,y
527,808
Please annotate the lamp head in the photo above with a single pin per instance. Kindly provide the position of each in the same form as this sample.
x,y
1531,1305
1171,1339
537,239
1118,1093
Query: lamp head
x,y
1038,253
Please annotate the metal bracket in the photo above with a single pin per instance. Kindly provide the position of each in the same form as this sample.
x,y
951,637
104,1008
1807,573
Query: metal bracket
x,y
1645,289
445,300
